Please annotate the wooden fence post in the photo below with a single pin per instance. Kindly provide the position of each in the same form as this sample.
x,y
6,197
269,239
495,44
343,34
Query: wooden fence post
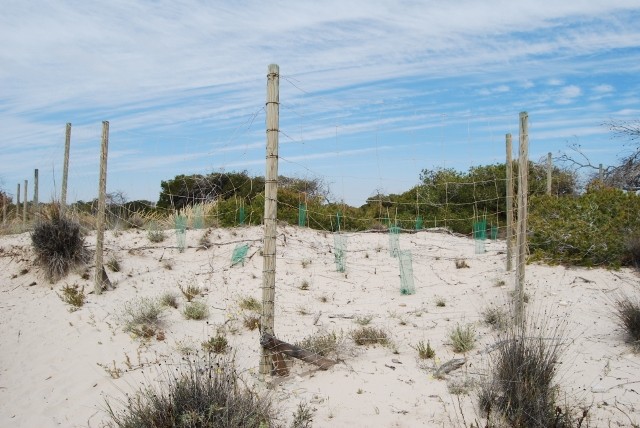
x,y
36,208
65,167
509,203
100,273
24,206
523,190
549,172
18,202
270,213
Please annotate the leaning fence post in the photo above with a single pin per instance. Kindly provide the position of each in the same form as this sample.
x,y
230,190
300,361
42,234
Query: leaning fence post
x,y
523,189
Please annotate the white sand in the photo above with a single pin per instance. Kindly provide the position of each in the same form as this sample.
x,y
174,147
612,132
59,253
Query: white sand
x,y
49,358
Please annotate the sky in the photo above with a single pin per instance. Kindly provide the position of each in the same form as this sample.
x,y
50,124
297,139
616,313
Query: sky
x,y
371,92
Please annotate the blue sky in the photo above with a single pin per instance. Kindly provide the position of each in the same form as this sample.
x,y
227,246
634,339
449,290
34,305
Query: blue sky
x,y
371,92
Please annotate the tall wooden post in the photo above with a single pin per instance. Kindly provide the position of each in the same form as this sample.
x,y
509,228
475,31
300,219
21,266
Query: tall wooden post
x,y
24,206
4,210
523,190
65,167
102,192
509,203
18,202
36,208
270,212
549,172
600,173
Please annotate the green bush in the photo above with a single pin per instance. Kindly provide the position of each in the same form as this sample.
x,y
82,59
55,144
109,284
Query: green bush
x,y
592,229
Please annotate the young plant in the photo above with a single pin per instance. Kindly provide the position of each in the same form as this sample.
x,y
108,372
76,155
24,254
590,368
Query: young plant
x,y
190,292
363,320
251,322
628,316
461,264
196,311
216,345
113,263
425,352
250,304
169,299
303,416
73,295
463,338
142,317
370,336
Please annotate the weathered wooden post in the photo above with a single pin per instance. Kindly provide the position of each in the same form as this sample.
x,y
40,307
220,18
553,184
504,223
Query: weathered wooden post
x,y
549,172
36,208
100,273
600,173
18,202
65,167
509,208
270,213
24,206
523,190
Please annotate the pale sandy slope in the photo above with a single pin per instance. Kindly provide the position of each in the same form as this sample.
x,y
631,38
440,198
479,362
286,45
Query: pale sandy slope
x,y
49,358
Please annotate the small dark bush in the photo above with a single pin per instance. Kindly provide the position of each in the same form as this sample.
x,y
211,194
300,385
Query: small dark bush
x,y
628,314
204,394
58,243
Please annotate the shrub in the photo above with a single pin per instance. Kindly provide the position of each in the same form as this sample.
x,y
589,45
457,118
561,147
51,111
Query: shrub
x,y
113,263
251,322
202,393
190,292
142,317
303,416
366,335
155,234
196,311
58,243
594,229
522,369
495,317
463,338
169,299
628,315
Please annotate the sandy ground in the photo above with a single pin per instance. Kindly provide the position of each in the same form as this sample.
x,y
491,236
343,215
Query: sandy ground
x,y
57,367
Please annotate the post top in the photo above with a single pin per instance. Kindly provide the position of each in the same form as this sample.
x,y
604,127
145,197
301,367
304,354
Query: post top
x,y
274,68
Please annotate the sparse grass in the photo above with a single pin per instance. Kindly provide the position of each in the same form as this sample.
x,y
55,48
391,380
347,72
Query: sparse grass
x,y
521,388
304,286
463,338
205,240
323,299
167,264
366,335
628,316
363,320
169,299
460,386
425,352
251,322
216,345
73,295
190,292
302,311
303,416
113,263
196,311
441,302
305,263
203,393
461,264
496,317
142,317
58,243
323,344
250,304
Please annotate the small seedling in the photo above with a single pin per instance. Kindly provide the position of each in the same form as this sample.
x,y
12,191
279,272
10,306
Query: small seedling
x,y
250,304
169,299
73,295
196,311
303,311
305,263
216,345
425,352
303,416
370,336
323,299
461,264
463,338
251,322
304,286
495,317
113,263
190,292
167,264
363,320
441,302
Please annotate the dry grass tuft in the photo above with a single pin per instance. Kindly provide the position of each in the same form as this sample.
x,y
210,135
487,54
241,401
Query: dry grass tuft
x,y
366,335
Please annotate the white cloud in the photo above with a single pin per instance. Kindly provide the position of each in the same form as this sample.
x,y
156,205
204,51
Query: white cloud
x,y
603,89
568,93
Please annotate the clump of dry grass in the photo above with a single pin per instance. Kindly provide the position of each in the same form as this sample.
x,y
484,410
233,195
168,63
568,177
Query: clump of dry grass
x,y
73,295
463,338
142,317
216,345
628,316
424,351
113,263
367,335
190,292
323,344
196,311
250,304
58,243
461,264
